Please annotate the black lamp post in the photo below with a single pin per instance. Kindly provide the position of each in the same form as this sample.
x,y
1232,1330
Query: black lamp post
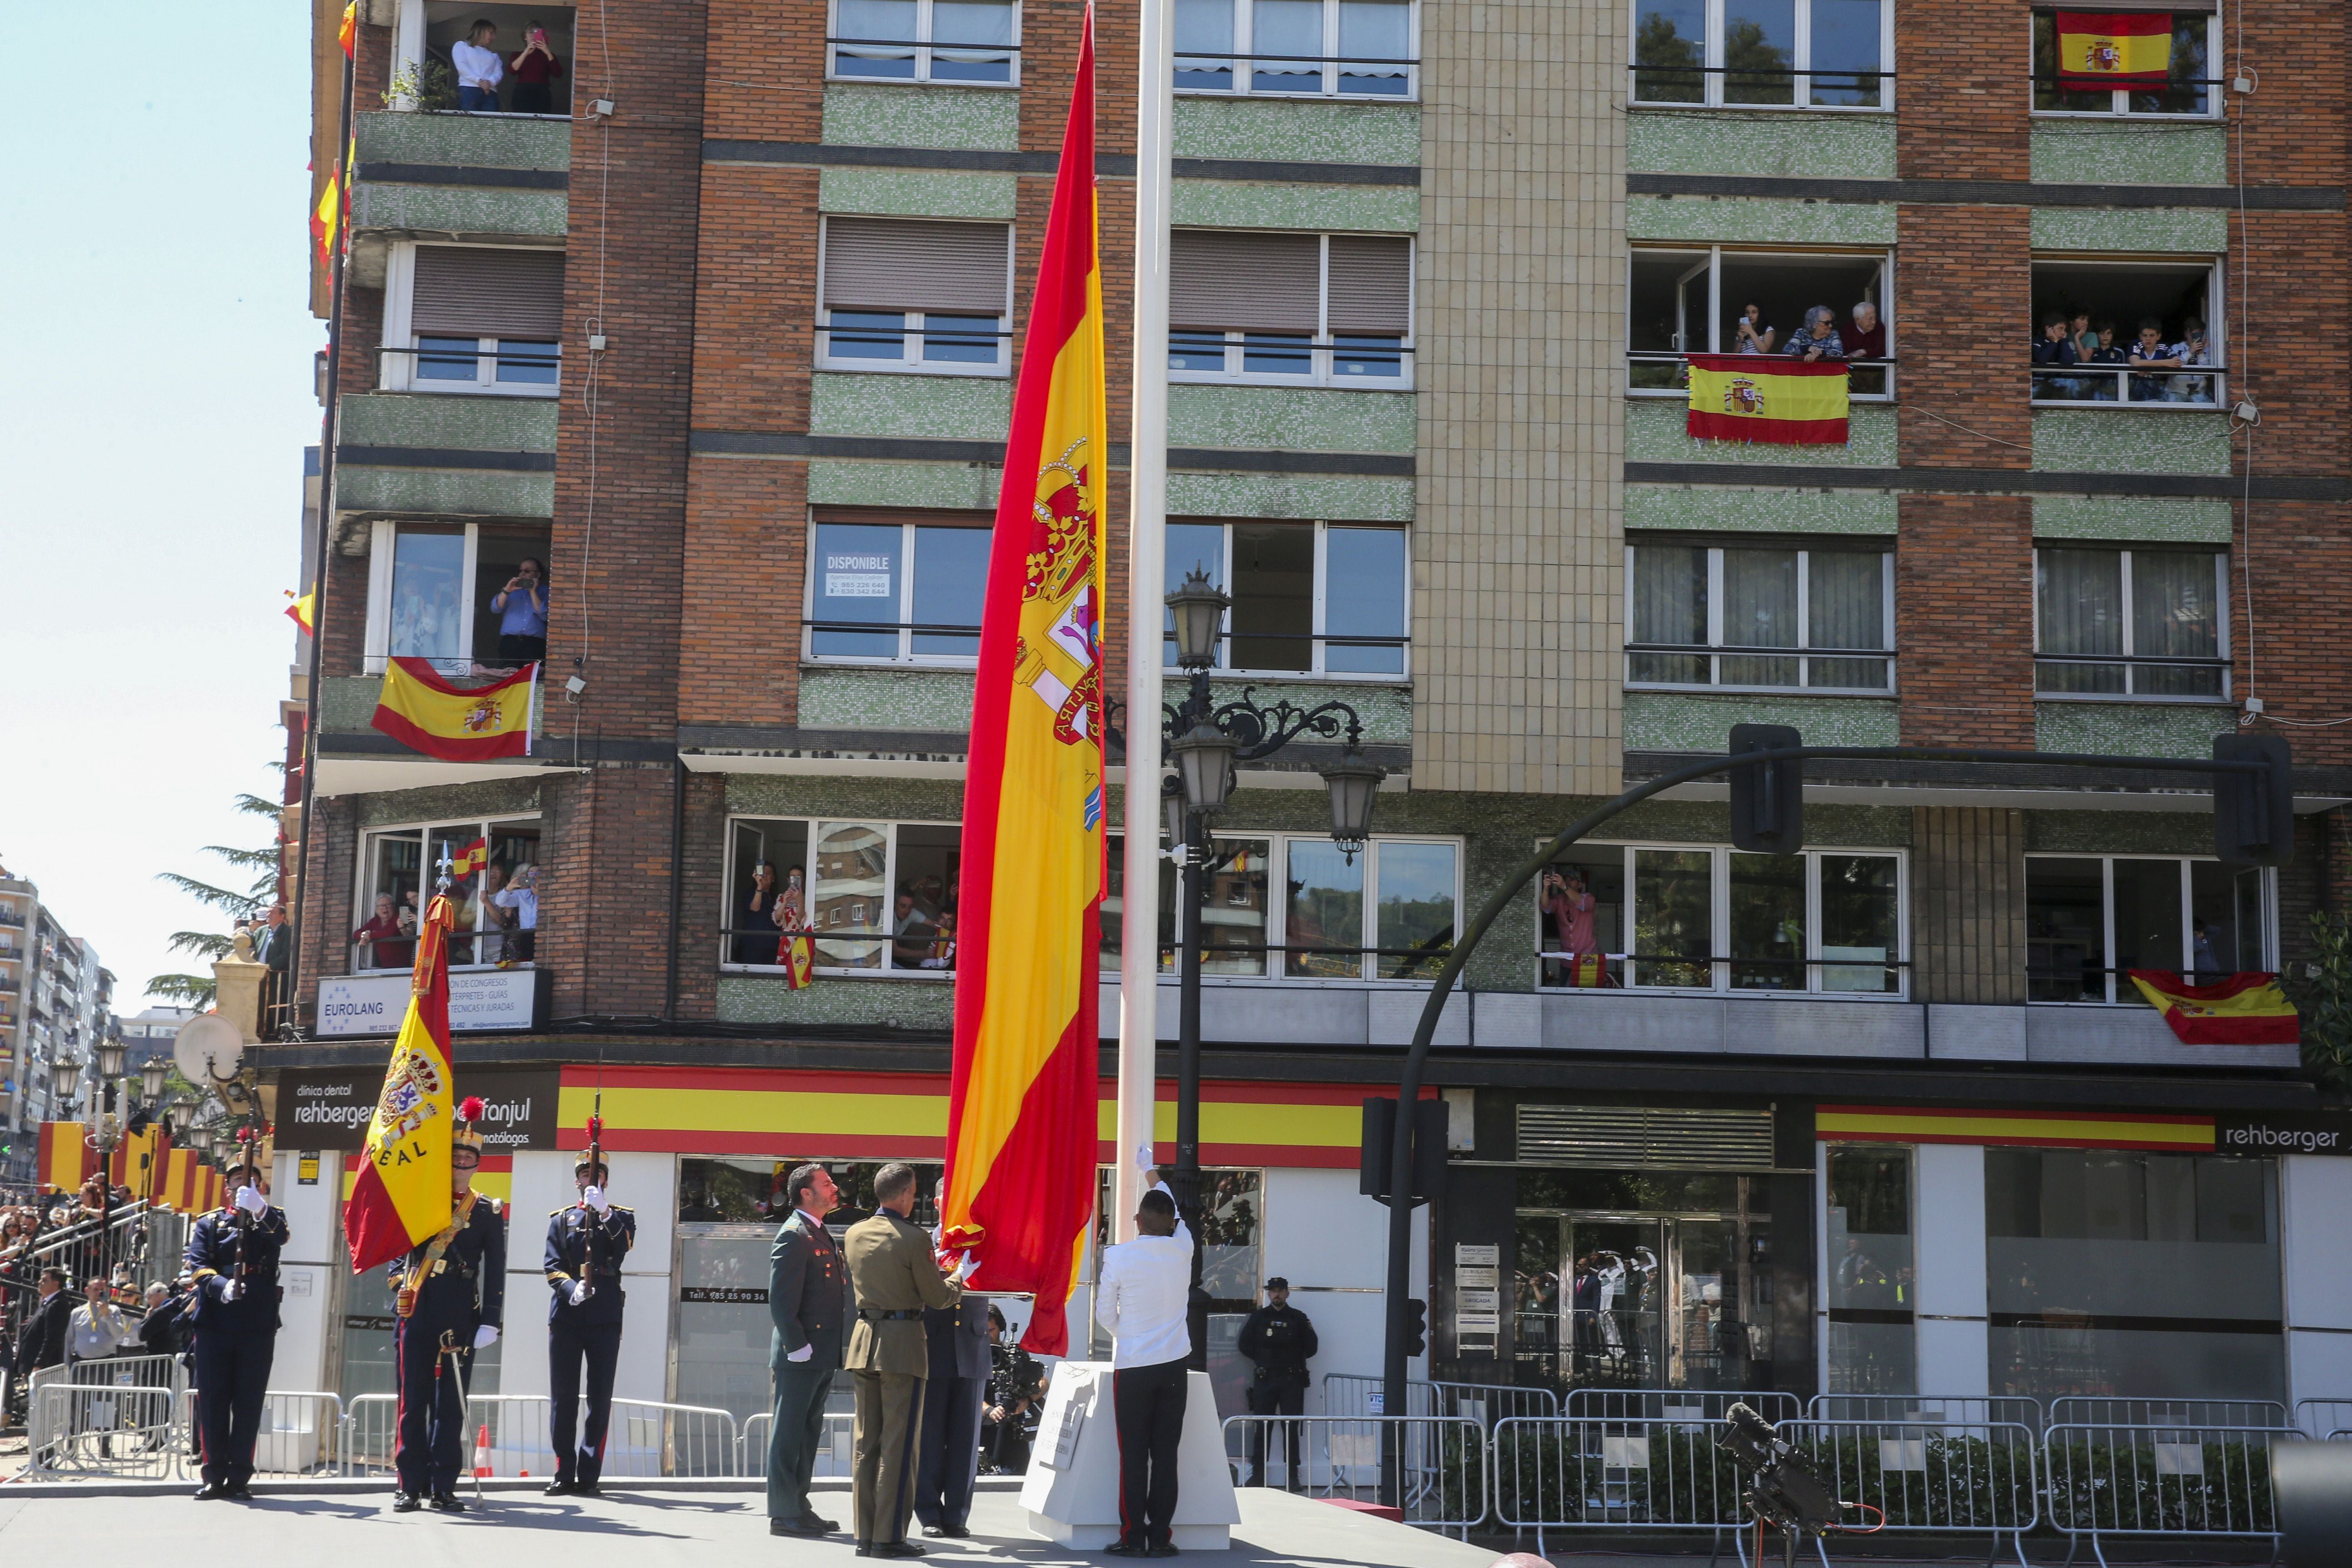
x,y
1206,740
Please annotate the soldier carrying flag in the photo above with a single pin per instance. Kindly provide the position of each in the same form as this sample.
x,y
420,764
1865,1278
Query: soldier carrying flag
x,y
448,1295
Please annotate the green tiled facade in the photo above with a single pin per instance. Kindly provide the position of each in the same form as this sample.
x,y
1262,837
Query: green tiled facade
x,y
916,408
1353,498
2120,439
2153,520
962,118
462,211
1284,130
1749,220
1776,146
1294,419
834,698
1723,508
1701,721
462,141
956,487
917,193
1654,433
2129,152
1243,204
2131,728
442,492
2192,231
442,420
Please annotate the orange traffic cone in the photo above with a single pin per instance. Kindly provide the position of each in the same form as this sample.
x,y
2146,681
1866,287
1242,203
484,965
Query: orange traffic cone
x,y
482,1450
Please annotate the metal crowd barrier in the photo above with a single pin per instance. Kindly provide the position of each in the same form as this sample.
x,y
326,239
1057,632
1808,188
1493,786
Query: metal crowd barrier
x,y
517,1424
2110,1410
303,1435
1353,1395
2324,1417
1683,1404
90,1423
371,1424
1928,1409
1947,1477
837,1457
1623,1475
648,1437
2115,1479
1444,1461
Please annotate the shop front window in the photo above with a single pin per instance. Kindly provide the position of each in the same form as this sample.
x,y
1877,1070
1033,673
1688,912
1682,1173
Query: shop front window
x,y
1873,1277
2121,1272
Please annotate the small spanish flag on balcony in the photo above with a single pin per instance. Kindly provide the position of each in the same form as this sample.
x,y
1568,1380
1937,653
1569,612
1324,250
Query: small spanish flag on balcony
x,y
798,956
348,34
326,219
2103,49
1766,397
417,708
471,859
298,611
2243,1010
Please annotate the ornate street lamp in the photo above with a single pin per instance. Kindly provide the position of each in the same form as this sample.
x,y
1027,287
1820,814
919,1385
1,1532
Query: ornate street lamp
x,y
109,1059
179,1115
153,1074
1198,607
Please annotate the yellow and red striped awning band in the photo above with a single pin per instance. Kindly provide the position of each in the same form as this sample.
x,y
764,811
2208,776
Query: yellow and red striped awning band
x,y
2180,1134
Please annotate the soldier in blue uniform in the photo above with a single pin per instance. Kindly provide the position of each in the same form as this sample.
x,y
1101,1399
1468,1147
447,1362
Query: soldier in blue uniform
x,y
448,1296
232,1258
586,1244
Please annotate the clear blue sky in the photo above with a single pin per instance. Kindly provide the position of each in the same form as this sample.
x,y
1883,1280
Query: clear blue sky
x,y
153,409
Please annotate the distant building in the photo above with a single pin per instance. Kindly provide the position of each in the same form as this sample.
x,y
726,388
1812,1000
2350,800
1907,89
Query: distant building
x,y
55,1005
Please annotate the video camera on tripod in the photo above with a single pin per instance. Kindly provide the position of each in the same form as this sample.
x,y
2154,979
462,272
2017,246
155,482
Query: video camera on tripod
x,y
1783,1489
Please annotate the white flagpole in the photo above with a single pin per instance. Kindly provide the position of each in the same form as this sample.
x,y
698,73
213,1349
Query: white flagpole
x,y
1139,986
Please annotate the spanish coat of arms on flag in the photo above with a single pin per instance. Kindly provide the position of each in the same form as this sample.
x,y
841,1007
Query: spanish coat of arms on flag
x,y
2102,49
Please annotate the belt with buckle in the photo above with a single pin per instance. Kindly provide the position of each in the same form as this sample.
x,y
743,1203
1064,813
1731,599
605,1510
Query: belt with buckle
x,y
874,1317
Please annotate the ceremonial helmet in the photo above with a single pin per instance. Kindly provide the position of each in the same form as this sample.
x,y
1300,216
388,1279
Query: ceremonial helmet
x,y
466,1136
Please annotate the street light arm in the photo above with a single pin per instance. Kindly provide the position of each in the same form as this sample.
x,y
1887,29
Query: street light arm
x,y
1400,1261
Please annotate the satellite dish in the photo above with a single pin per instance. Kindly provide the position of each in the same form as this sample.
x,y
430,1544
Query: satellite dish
x,y
207,1048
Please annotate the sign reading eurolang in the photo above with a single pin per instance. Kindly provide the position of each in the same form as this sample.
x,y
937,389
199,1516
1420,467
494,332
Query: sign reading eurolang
x,y
375,1004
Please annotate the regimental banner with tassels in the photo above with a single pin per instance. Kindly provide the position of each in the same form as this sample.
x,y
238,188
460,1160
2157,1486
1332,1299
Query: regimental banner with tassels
x,y
1020,1184
417,708
1770,398
400,1196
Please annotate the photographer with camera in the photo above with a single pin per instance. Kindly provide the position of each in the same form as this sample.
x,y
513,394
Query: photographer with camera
x,y
521,609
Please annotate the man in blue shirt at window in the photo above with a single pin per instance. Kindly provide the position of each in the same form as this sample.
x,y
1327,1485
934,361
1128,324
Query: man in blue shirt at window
x,y
521,607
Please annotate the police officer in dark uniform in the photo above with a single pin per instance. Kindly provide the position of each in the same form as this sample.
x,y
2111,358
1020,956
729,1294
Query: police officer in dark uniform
x,y
586,1244
1278,1341
232,1259
448,1296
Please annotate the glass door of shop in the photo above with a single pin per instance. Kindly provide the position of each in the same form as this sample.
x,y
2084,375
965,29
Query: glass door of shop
x,y
1642,1301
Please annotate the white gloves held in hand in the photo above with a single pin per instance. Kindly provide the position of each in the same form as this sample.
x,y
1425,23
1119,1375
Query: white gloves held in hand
x,y
229,1290
964,1271
485,1337
801,1355
596,1199
250,1200
579,1291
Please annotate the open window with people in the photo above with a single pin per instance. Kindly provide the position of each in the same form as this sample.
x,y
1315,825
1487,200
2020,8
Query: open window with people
x,y
472,318
971,43
866,896
1298,48
2135,63
1787,54
896,586
1807,306
1308,598
914,295
455,55
1313,309
2145,333
471,597
494,890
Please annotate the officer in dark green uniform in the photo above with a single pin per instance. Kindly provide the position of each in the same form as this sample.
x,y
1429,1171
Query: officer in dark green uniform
x,y
808,1301
587,1243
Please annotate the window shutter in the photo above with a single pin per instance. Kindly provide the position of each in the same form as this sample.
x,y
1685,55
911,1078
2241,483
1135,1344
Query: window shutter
x,y
466,292
901,264
1371,284
1226,279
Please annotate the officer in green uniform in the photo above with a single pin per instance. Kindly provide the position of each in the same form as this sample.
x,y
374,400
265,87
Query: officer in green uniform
x,y
808,1296
893,1274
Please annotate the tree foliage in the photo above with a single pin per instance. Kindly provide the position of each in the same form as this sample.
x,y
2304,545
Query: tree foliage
x,y
196,990
2320,987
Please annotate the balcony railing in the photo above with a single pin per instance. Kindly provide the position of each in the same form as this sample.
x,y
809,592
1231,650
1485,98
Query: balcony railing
x,y
1861,972
2136,678
2077,385
1658,373
1293,75
1690,666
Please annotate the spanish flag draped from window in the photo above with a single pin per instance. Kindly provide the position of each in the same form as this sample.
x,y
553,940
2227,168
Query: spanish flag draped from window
x,y
326,219
1766,398
2243,1010
1022,1100
2103,49
419,708
400,1194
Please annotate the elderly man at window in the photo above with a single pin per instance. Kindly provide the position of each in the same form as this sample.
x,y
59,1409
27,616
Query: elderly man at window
x,y
1818,338
1868,338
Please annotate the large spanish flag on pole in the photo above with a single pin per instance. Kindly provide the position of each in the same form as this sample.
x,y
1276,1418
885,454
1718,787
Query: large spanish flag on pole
x,y
401,1195
2102,49
1766,398
1021,1115
418,707
2246,1009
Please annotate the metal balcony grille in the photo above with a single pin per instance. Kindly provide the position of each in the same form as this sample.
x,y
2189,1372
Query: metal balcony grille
x,y
1617,1136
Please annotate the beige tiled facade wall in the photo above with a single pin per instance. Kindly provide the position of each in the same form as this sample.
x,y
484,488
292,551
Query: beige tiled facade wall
x,y
1518,558
1968,870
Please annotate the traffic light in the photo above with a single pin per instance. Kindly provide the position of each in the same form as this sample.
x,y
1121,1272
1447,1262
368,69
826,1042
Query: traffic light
x,y
1416,1326
2254,813
1768,799
1428,1149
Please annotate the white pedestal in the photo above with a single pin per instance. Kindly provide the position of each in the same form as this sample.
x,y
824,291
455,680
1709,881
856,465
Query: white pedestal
x,y
1077,1502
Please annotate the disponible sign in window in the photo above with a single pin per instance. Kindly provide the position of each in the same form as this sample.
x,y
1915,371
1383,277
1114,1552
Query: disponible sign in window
x,y
375,1004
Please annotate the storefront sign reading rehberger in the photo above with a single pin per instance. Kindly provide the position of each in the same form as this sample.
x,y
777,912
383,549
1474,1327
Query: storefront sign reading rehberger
x,y
330,1109
2281,1133
375,1004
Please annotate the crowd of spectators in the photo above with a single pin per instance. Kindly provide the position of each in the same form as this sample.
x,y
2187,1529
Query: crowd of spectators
x,y
2077,340
1820,338
497,915
66,1298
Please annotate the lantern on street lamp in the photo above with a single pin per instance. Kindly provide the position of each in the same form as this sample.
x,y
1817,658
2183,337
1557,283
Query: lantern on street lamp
x,y
1354,787
180,1113
1204,767
153,1073
1198,609
109,1059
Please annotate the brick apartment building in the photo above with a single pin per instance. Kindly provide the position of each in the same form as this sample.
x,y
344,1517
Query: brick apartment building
x,y
723,337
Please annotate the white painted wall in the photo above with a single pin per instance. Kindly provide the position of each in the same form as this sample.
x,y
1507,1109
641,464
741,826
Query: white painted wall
x,y
306,1268
1331,1242
2315,1225
1954,1350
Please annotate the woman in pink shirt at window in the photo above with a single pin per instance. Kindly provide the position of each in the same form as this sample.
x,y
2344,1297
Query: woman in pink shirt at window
x,y
1570,906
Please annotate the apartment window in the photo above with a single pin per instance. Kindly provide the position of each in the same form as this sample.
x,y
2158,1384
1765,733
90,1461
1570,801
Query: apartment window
x,y
2123,1271
1309,598
972,42
1698,918
1312,310
434,589
905,587
1759,617
1296,48
474,318
903,294
1294,907
1873,1272
2146,334
2187,91
878,896
2147,625
497,907
1796,54
2090,919
1713,300
425,37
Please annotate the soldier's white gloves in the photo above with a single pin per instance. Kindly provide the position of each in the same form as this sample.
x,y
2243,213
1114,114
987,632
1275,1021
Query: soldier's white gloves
x,y
228,1289
250,1200
1143,1156
485,1337
964,1271
579,1291
801,1355
594,1198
